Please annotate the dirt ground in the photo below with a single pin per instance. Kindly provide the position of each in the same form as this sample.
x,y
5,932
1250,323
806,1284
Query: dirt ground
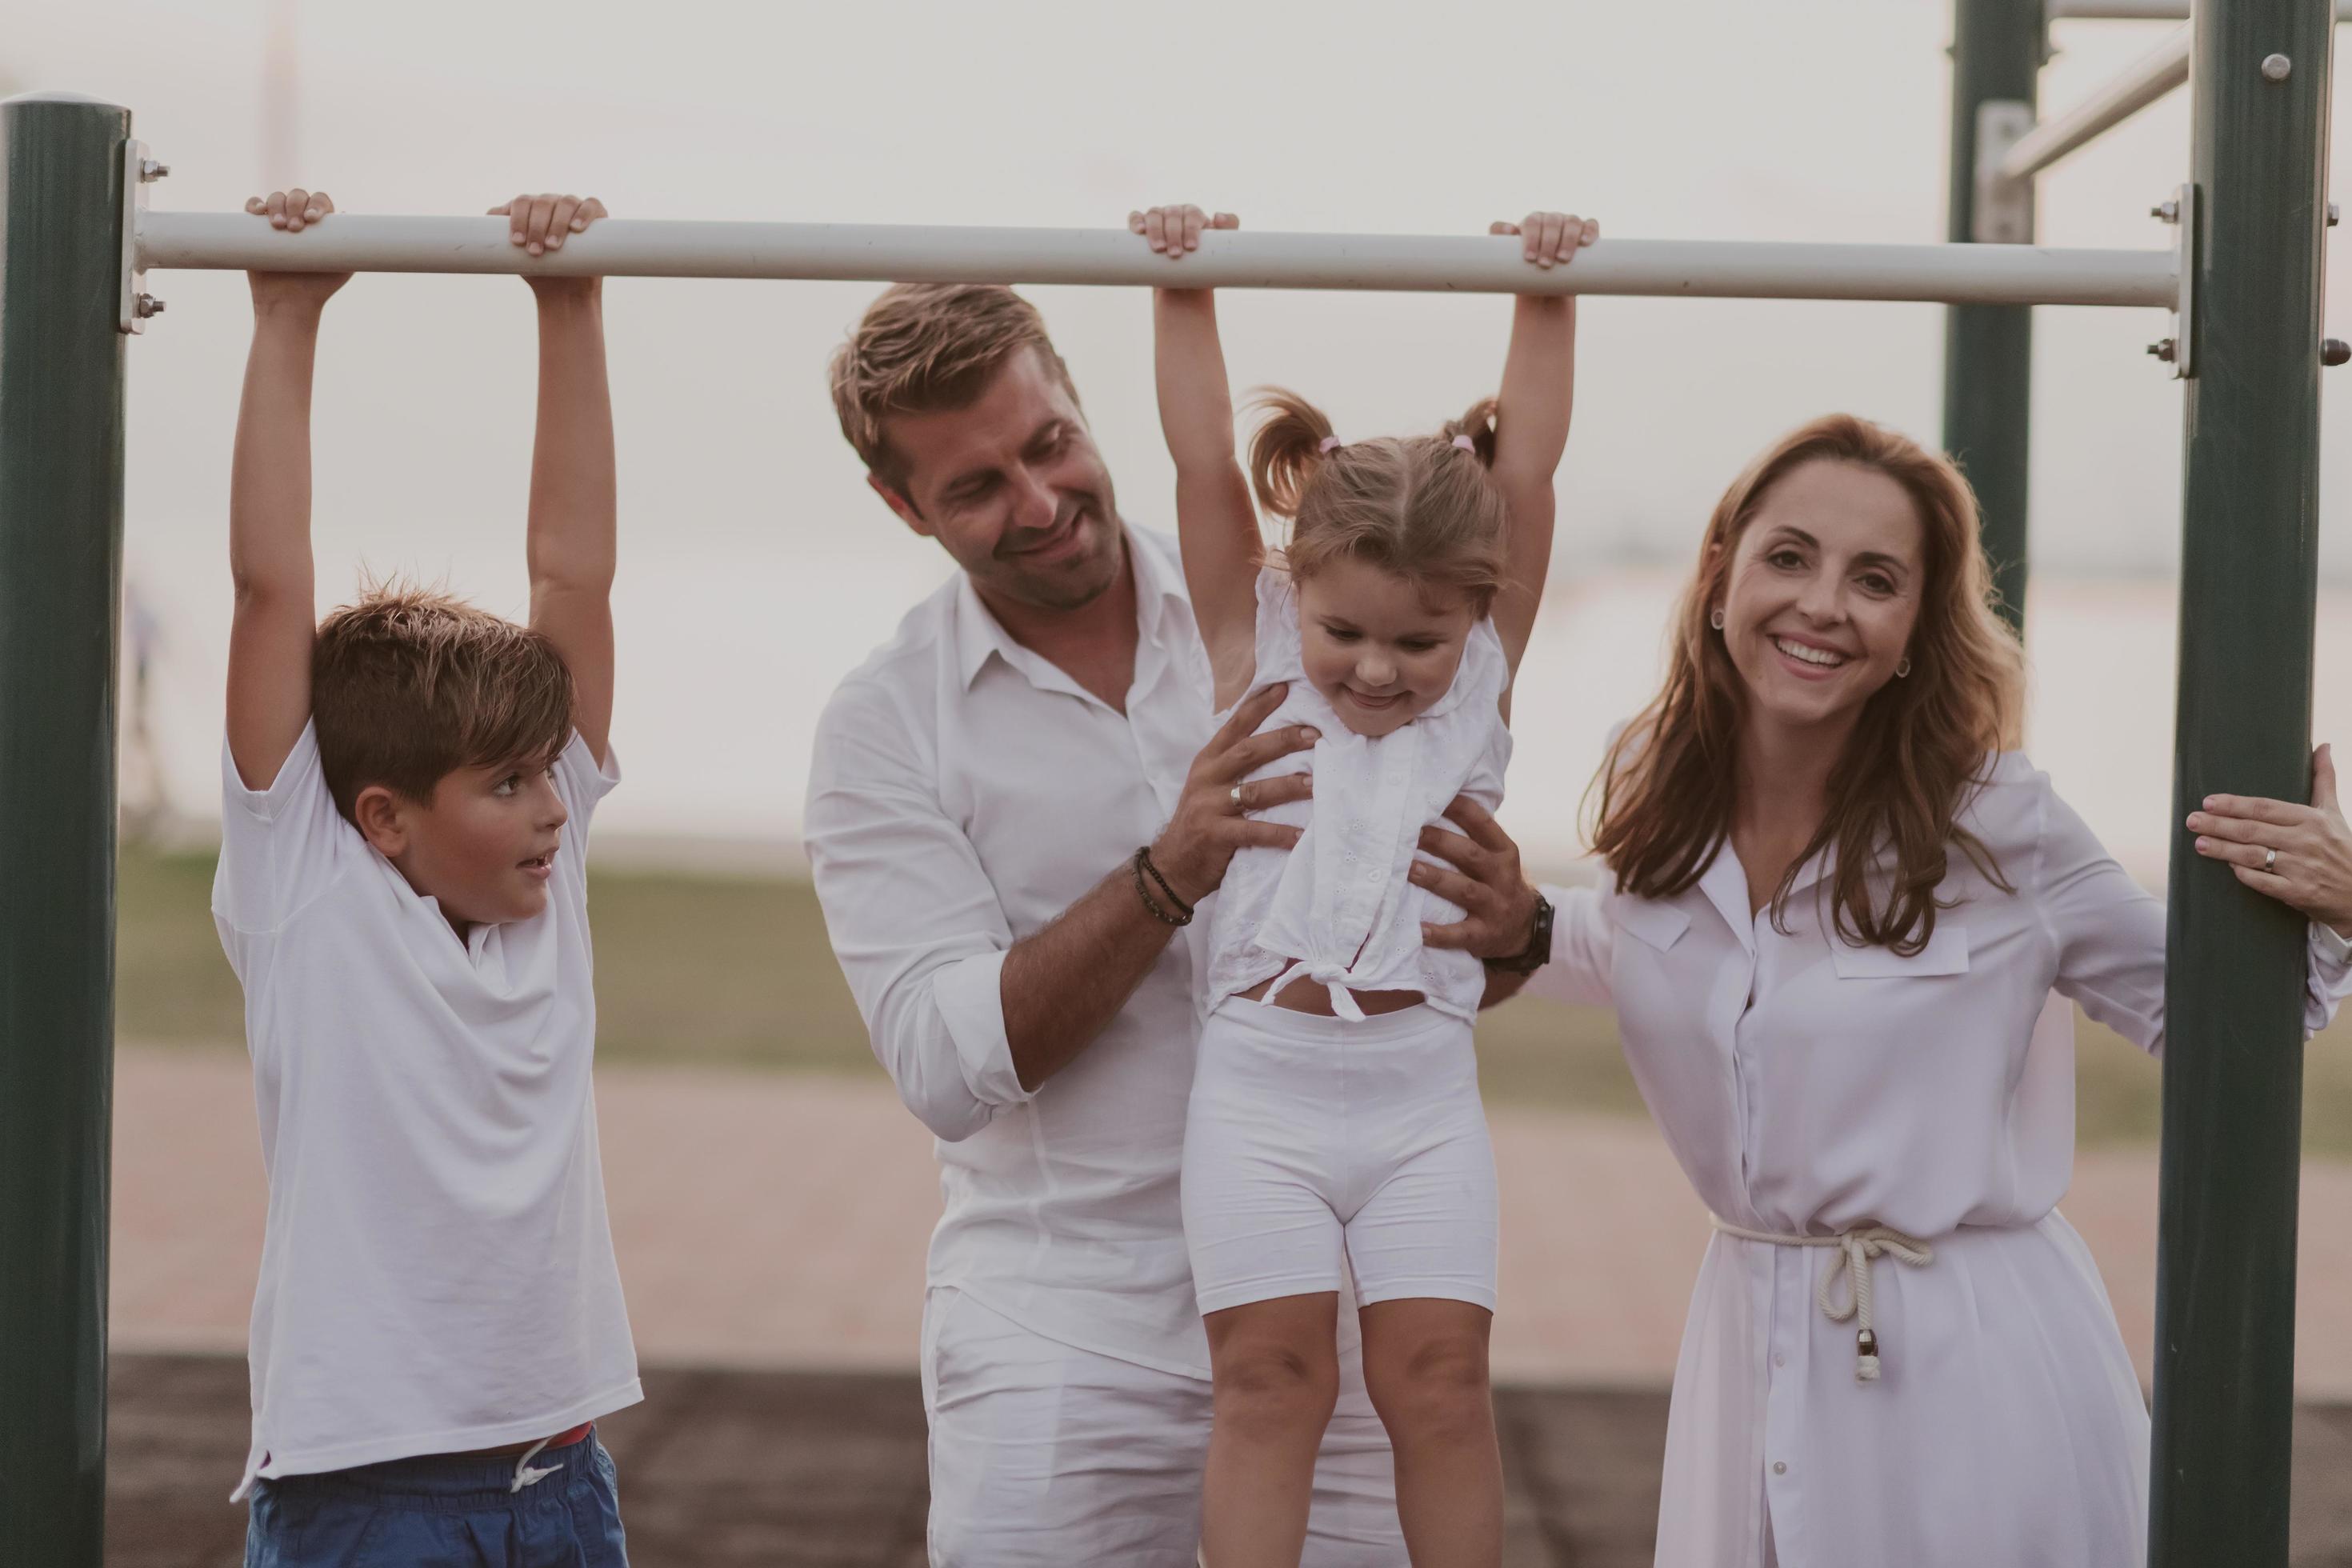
x,y
784,1470
729,1470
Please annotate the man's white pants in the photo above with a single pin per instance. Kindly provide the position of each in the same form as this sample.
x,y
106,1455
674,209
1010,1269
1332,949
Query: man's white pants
x,y
1048,1456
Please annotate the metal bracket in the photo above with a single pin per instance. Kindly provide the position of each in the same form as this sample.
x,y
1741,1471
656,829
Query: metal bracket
x,y
133,304
2003,211
2184,214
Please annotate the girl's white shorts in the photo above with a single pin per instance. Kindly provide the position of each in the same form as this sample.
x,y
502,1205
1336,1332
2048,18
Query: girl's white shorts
x,y
1316,1142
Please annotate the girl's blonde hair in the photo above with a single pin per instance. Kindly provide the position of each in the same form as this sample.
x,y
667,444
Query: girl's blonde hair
x,y
1420,506
1665,789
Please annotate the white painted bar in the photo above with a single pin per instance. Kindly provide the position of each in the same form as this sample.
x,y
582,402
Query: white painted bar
x,y
2147,79
645,247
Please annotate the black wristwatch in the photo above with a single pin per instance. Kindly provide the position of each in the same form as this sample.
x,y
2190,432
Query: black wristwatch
x,y
1538,952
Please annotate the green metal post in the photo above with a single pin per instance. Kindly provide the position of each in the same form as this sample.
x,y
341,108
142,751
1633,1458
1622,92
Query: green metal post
x,y
2233,990
1997,52
61,365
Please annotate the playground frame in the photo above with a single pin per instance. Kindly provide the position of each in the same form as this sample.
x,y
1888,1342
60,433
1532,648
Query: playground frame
x,y
2243,276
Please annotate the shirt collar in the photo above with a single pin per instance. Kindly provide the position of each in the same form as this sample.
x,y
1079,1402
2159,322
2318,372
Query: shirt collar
x,y
1724,884
1158,592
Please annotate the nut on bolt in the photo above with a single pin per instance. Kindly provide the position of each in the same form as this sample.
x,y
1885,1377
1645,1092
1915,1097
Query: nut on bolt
x,y
2163,349
147,305
151,170
2169,211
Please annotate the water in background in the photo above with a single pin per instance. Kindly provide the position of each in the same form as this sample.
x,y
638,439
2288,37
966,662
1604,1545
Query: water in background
x,y
724,671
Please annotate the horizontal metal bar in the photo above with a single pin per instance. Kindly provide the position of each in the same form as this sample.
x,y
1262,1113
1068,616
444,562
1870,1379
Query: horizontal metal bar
x,y
644,247
2143,10
2147,79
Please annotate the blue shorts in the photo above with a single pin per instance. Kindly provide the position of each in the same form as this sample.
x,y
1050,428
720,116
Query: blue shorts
x,y
442,1513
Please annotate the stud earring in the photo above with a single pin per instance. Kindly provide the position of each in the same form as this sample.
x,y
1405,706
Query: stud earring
x,y
1715,617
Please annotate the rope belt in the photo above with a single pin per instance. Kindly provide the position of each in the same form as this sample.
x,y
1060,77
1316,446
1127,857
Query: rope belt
x,y
1855,1248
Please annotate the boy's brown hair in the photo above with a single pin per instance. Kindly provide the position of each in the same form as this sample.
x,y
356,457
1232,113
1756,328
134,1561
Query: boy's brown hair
x,y
410,684
929,348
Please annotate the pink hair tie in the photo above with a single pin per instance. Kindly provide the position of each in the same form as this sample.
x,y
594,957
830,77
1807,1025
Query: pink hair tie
x,y
1467,444
1329,445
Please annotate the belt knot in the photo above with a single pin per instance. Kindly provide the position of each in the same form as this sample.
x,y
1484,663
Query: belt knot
x,y
1850,1268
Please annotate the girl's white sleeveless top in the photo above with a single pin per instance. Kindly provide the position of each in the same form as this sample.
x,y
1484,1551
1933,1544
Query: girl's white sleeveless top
x,y
1338,909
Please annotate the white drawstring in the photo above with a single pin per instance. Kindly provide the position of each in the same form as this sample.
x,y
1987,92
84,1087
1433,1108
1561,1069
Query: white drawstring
x,y
1855,1248
524,1475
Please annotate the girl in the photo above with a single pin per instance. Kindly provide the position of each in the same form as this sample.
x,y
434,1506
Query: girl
x,y
1335,1125
1836,909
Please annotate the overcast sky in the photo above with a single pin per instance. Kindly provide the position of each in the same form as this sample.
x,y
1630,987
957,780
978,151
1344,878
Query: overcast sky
x,y
755,567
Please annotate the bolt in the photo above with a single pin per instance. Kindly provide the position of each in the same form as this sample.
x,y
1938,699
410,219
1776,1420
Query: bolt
x,y
151,170
147,305
2334,351
2333,213
2275,67
2162,349
2168,211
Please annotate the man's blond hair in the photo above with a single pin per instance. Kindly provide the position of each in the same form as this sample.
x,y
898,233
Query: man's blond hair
x,y
929,348
409,685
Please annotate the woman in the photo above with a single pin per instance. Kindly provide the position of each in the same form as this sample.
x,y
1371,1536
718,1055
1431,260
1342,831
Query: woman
x,y
1836,909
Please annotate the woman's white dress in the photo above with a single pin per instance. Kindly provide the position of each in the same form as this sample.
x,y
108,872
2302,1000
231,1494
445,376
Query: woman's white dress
x,y
1808,1087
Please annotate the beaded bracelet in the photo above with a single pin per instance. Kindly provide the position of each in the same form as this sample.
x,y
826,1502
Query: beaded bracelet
x,y
1172,896
1143,858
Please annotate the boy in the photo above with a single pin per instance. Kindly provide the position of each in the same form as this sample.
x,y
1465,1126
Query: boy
x,y
438,1319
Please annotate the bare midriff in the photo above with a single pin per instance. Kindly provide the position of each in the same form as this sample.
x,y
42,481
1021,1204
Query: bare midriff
x,y
1313,996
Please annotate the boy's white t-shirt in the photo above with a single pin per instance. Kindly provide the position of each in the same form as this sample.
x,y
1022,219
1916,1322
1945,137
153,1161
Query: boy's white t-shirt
x,y
437,1273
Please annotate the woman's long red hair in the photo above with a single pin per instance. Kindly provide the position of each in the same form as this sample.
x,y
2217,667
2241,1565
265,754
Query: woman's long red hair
x,y
1665,790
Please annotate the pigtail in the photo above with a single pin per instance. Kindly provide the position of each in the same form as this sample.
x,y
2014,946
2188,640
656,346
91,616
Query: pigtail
x,y
1286,451
1478,424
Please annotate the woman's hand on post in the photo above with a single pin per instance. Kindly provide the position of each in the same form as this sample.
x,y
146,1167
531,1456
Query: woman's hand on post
x,y
2299,855
1212,817
291,211
1498,901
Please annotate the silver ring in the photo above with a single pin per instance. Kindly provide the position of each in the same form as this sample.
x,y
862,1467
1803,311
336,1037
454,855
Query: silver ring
x,y
2270,858
1236,794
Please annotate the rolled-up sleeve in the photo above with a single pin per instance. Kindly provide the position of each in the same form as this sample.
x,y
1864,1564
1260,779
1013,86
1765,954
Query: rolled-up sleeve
x,y
914,920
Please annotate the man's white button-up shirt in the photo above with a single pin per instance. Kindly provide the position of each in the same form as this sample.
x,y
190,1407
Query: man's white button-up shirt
x,y
964,792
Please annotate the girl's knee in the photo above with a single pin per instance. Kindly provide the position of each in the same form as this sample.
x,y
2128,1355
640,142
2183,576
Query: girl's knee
x,y
1272,1389
1437,1386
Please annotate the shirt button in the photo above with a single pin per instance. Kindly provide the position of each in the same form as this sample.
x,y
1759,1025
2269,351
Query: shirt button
x,y
1780,1467
1779,1361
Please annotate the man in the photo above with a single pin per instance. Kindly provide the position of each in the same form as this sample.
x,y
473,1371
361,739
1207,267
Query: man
x,y
980,791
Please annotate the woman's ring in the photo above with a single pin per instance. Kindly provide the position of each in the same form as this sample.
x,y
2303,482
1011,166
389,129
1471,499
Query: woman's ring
x,y
1236,794
2270,858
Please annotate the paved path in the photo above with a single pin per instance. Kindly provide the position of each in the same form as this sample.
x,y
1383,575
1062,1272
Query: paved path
x,y
778,1221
